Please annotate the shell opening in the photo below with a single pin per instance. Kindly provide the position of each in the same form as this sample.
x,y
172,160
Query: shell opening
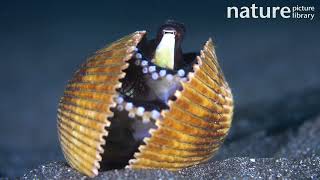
x,y
146,91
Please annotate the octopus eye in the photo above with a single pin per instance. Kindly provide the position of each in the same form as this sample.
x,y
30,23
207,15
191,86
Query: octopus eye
x,y
169,32
123,110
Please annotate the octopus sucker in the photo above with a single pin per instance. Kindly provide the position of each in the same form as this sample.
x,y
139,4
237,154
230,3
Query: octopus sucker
x,y
144,104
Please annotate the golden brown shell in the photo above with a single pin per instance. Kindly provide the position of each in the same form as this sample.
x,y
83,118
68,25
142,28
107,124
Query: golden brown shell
x,y
190,132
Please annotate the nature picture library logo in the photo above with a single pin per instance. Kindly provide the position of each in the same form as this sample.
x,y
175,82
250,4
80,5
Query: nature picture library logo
x,y
286,12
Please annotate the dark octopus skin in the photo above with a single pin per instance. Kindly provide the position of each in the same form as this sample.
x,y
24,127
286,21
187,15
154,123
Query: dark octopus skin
x,y
145,104
135,88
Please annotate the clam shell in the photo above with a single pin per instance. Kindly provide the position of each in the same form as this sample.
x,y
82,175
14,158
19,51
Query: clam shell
x,y
188,133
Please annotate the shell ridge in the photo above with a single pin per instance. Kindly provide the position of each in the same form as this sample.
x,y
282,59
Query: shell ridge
x,y
208,91
84,126
84,116
199,118
205,71
207,81
195,126
83,153
64,133
98,125
84,107
184,153
190,146
198,133
203,123
177,150
179,160
202,140
199,98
